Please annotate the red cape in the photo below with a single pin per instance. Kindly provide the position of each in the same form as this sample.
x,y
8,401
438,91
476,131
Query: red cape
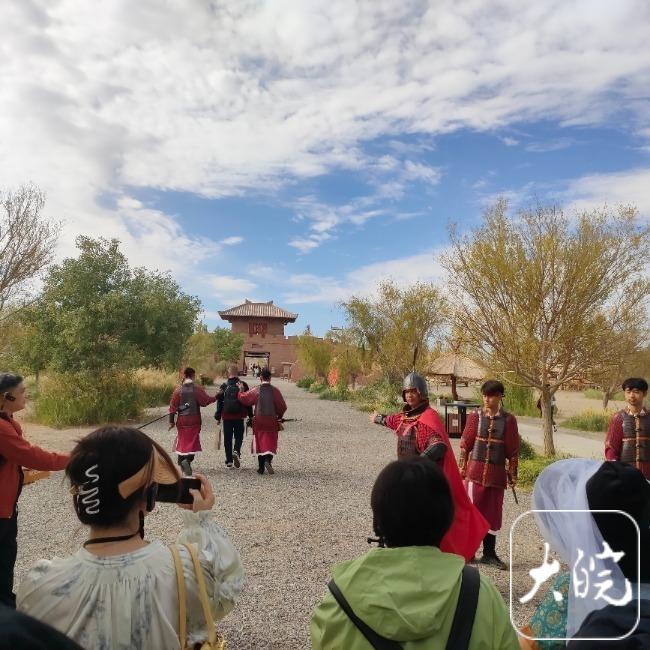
x,y
469,526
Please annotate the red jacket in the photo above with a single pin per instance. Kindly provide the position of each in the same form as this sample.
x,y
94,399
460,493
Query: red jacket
x,y
15,453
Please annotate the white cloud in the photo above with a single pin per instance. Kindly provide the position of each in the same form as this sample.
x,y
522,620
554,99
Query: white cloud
x,y
232,241
404,271
230,290
221,98
594,191
550,145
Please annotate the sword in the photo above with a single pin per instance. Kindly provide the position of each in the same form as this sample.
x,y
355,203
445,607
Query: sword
x,y
219,436
514,494
291,420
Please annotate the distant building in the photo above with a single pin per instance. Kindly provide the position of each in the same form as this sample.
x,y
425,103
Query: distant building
x,y
262,326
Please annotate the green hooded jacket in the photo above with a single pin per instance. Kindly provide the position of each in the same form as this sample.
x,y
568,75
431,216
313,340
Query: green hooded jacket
x,y
409,595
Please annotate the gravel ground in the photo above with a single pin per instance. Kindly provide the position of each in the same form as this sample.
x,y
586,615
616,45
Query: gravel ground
x,y
290,528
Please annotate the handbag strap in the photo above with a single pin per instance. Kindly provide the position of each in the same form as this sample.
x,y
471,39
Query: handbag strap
x,y
182,604
461,627
375,640
203,595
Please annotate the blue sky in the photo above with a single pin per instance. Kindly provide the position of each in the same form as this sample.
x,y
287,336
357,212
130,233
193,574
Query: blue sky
x,y
302,152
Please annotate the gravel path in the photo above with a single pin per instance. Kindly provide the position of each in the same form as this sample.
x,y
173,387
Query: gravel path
x,y
289,528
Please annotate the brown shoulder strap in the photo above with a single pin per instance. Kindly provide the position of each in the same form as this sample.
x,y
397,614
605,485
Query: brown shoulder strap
x,y
203,594
182,603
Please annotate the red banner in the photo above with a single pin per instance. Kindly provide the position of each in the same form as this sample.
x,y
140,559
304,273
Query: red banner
x,y
257,328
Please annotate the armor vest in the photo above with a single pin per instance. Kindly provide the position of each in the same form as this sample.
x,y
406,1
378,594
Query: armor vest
x,y
489,445
265,405
187,397
636,438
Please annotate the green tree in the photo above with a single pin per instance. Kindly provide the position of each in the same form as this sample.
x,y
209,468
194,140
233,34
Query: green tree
x,y
396,324
228,345
201,351
96,313
535,291
315,355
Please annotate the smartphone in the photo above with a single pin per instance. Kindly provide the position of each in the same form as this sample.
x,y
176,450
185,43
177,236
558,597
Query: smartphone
x,y
178,492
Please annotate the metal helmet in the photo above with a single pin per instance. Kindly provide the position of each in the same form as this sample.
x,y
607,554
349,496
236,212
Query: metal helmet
x,y
413,380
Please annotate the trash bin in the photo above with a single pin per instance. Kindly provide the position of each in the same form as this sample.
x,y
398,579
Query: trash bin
x,y
456,416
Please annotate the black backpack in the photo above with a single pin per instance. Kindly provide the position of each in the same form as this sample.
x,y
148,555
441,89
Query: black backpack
x,y
231,404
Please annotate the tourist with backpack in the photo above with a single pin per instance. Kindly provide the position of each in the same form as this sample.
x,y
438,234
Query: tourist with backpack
x,y
408,594
233,414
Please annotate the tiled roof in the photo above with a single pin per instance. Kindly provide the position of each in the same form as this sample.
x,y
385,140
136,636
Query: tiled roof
x,y
258,310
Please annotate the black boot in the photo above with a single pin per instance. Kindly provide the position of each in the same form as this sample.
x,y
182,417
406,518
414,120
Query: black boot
x,y
490,556
267,464
260,461
185,465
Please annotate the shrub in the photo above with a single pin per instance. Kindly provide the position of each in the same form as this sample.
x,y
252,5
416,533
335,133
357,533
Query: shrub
x,y
317,387
87,398
530,468
305,382
527,451
155,386
589,421
335,394
380,396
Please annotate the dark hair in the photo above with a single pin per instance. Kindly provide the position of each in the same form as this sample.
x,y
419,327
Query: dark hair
x,y
265,374
411,503
99,463
189,372
233,370
620,486
8,381
636,383
492,387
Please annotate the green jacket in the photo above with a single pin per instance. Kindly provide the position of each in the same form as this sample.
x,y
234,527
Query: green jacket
x,y
409,595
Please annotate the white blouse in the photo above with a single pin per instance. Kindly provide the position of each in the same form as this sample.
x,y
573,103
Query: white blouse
x,y
123,602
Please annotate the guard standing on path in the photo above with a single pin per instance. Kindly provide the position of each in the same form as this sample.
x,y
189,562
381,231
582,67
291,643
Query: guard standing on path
x,y
188,424
491,438
420,432
628,434
269,409
233,414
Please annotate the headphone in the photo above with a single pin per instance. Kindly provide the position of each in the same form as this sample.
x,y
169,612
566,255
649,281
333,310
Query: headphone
x,y
9,397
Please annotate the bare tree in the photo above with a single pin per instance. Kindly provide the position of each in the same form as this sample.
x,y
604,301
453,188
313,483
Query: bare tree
x,y
396,324
539,290
27,241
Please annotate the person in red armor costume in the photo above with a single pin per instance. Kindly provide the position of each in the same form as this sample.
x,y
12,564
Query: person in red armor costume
x,y
628,435
269,409
188,424
490,438
420,432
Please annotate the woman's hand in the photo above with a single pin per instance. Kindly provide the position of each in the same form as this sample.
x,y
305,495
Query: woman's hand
x,y
373,415
204,498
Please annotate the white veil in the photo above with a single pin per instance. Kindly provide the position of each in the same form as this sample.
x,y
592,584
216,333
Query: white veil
x,y
562,486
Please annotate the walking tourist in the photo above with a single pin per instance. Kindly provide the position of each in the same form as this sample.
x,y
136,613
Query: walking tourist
x,y
489,440
120,590
233,414
409,591
420,431
15,453
628,435
269,409
188,422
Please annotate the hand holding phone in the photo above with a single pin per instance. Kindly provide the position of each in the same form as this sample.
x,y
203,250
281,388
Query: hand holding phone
x,y
204,497
179,492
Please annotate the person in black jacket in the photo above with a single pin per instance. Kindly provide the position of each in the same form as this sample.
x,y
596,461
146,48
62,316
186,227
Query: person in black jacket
x,y
233,415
